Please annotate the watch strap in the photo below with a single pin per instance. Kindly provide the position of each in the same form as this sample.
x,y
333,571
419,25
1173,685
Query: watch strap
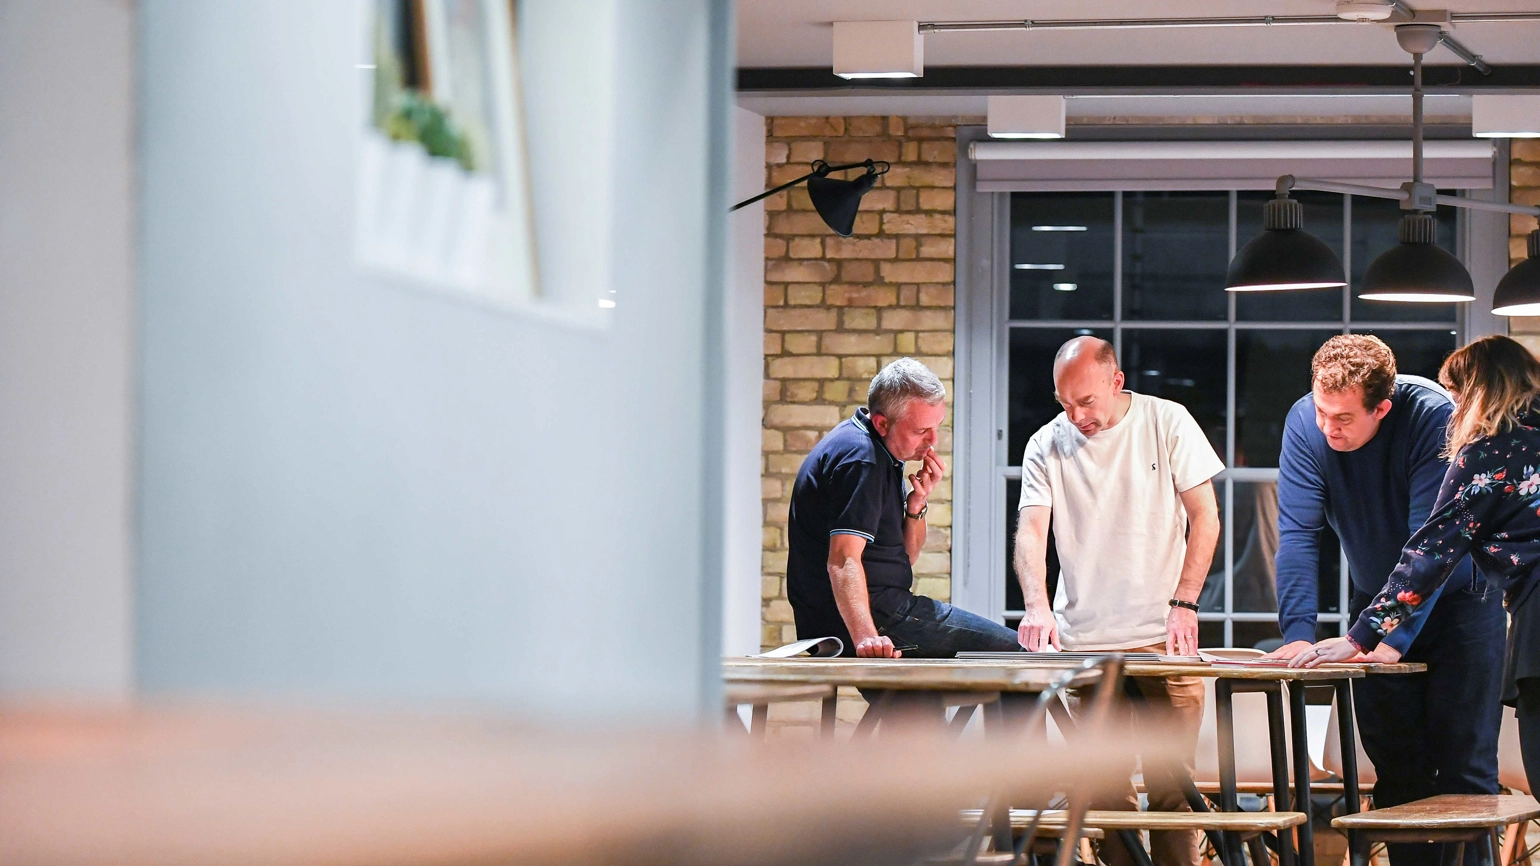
x,y
1190,605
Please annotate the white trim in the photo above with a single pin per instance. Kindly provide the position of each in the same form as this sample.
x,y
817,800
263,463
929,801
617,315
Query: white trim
x,y
981,151
1044,166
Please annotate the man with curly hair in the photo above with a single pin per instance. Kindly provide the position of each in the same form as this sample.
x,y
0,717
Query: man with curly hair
x,y
1362,454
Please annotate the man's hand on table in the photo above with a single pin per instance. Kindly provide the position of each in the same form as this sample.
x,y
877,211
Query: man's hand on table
x,y
877,647
1289,650
1182,632
1038,629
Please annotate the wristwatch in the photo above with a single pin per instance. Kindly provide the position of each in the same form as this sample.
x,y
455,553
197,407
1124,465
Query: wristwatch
x,y
921,516
1190,605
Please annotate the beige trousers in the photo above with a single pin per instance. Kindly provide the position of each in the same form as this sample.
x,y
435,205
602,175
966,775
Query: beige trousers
x,y
1175,703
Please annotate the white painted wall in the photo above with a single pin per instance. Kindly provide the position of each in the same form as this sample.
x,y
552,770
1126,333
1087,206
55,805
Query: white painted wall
x,y
353,487
745,391
66,307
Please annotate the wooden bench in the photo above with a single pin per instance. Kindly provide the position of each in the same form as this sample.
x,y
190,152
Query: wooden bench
x,y
1127,824
761,695
1457,818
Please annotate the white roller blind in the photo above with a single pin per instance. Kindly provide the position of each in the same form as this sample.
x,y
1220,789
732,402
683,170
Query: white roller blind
x,y
1044,166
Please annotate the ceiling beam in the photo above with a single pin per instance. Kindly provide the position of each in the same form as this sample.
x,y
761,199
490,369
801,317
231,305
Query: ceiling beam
x,y
1136,80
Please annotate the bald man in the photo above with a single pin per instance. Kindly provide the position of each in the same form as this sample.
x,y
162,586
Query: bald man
x,y
1127,481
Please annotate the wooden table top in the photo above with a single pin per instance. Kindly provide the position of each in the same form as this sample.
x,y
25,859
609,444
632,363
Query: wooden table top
x,y
1324,673
737,693
1446,812
1224,671
190,787
904,674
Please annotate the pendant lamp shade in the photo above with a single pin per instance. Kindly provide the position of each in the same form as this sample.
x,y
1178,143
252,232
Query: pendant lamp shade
x,y
1518,292
1284,256
838,200
1417,270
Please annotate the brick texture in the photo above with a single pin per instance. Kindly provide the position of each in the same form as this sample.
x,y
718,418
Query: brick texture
x,y
837,309
1524,188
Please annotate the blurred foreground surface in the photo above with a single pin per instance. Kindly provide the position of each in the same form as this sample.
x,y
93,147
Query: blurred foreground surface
x,y
234,785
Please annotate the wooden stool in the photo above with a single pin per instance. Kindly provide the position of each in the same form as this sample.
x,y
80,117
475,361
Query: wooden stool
x,y
1127,825
1457,818
761,695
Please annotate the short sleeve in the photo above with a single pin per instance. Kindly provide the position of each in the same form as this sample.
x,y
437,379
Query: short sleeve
x,y
1034,469
857,486
1193,460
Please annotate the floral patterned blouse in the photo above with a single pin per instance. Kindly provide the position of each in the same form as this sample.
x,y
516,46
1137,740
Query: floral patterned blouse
x,y
1489,507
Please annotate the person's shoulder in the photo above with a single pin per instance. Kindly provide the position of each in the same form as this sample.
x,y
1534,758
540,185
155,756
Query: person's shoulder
x,y
1144,407
848,442
1040,443
1423,395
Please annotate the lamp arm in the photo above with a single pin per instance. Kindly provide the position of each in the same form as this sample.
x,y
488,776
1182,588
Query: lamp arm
x,y
1400,195
820,169
770,192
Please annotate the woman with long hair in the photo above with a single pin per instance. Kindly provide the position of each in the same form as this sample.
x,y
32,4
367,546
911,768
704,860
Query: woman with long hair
x,y
1488,507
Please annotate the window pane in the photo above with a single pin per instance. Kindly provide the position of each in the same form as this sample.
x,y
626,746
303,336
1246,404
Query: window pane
x,y
1211,634
1323,218
1272,370
1212,598
1250,634
1031,382
1329,571
1418,353
1374,231
1176,249
1187,366
1061,255
1013,599
1255,524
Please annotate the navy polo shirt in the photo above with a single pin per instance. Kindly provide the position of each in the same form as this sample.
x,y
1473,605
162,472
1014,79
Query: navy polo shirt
x,y
851,485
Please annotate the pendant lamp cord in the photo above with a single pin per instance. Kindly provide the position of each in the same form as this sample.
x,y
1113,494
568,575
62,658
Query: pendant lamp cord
x,y
1417,118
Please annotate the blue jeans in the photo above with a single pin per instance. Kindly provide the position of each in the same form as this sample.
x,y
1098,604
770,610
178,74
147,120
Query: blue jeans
x,y
941,631
1436,732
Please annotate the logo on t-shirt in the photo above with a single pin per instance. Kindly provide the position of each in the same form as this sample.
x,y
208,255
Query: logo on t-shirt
x,y
1152,467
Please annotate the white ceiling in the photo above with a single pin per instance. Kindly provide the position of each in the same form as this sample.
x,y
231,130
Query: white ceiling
x,y
797,33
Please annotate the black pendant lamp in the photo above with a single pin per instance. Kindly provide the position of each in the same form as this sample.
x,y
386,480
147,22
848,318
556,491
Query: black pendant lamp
x,y
1284,256
1417,270
1518,292
837,201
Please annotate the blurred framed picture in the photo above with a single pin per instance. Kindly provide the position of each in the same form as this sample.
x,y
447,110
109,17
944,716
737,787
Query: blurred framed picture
x,y
444,186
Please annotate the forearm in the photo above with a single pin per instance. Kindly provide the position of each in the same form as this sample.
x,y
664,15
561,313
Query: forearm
x,y
1201,538
1297,565
849,582
1031,560
914,538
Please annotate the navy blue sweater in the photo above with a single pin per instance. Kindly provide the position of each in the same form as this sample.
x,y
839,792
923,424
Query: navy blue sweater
x,y
1373,498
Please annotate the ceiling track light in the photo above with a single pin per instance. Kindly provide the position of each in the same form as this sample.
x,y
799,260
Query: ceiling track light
x,y
1417,270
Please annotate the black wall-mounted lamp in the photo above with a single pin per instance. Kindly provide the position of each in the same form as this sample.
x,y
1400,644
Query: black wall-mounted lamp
x,y
835,200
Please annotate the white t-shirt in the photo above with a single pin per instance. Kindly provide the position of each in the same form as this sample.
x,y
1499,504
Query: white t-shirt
x,y
1118,519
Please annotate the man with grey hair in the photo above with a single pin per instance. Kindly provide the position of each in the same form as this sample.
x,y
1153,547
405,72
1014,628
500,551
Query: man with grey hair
x,y
856,533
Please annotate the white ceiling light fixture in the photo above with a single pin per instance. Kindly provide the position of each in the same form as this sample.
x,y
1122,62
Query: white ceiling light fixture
x,y
1505,116
1364,10
1026,117
878,49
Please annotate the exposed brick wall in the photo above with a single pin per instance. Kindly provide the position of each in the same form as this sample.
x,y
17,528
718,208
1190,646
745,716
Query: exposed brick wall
x,y
1524,188
837,309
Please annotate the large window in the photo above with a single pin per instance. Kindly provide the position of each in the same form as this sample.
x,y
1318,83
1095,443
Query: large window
x,y
1146,271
